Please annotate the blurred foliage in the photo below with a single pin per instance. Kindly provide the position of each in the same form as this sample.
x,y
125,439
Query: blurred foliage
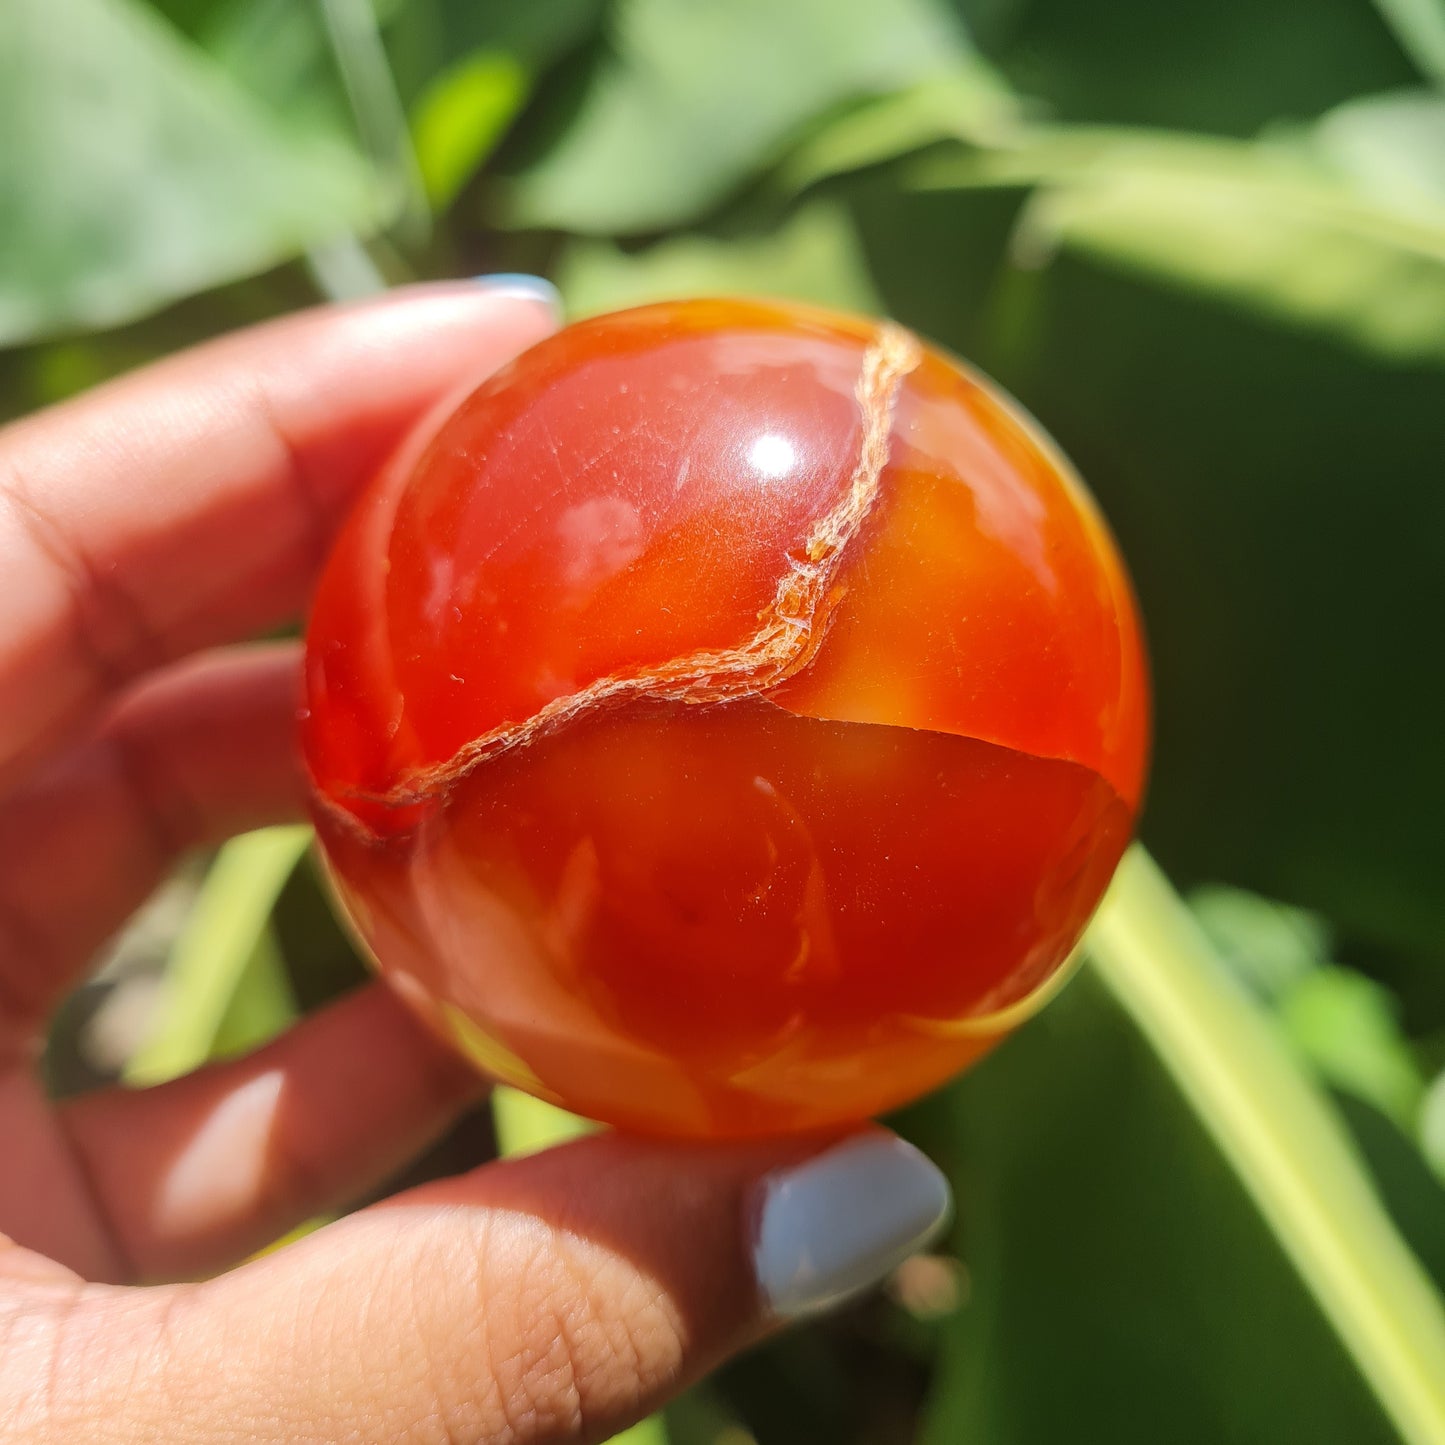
x,y
134,171
226,988
688,101
1205,243
814,255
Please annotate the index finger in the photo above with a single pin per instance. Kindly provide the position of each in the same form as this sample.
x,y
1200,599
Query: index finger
x,y
191,502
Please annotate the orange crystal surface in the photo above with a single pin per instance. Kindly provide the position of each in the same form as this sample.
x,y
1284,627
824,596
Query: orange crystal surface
x,y
727,722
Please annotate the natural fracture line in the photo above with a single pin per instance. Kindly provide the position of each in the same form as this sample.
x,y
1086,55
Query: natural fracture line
x,y
790,628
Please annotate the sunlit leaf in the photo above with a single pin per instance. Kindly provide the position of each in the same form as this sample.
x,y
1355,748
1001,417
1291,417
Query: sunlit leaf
x,y
1270,945
692,96
813,256
966,103
1347,1026
211,991
260,1006
1432,1126
1338,227
1344,1026
1419,25
134,171
651,1431
1281,1139
1392,146
353,35
461,116
1167,1233
1267,226
525,1124
1301,256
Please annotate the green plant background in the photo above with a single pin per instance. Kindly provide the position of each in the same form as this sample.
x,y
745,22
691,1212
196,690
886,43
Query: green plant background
x,y
1200,1198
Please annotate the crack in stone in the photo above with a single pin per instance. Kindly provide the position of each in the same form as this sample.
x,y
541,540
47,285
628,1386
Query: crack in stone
x,y
790,629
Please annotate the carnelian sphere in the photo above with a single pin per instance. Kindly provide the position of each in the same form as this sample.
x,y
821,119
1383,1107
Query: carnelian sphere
x,y
727,721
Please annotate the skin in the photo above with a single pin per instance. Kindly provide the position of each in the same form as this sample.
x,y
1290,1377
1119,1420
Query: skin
x,y
144,529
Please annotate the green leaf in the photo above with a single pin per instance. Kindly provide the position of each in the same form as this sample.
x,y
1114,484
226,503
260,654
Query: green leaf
x,y
426,39
966,103
461,116
276,51
221,984
692,97
1432,1126
261,1006
1270,945
1347,1026
1270,227
1280,1137
135,171
1410,1189
651,1431
526,1125
813,256
1391,146
1222,66
1419,26
1339,227
1167,1234
1300,252
1342,1024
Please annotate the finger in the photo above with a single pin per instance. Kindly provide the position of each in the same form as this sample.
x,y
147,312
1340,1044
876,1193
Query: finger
x,y
190,502
556,1298
190,756
25,1267
45,1204
192,1175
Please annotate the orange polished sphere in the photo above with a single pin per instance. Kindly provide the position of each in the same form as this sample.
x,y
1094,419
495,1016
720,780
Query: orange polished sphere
x,y
727,722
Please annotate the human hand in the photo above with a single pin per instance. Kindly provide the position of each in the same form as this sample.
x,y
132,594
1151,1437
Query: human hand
x,y
553,1298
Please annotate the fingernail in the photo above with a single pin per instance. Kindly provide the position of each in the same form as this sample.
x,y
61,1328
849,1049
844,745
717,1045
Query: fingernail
x,y
837,1223
527,288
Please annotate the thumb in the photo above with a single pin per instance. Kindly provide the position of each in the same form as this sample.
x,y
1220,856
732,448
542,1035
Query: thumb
x,y
553,1298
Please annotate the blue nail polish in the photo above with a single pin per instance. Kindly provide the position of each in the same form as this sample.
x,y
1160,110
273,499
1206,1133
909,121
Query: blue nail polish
x,y
837,1223
528,288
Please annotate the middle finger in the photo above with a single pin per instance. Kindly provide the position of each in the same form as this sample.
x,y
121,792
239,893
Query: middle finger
x,y
191,756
